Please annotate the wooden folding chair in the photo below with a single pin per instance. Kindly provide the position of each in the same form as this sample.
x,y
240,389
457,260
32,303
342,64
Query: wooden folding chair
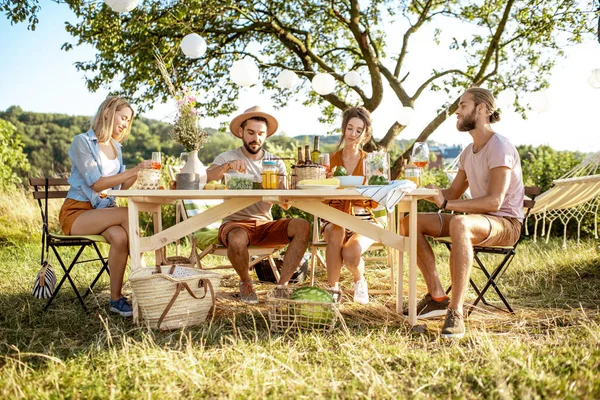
x,y
507,253
57,188
318,245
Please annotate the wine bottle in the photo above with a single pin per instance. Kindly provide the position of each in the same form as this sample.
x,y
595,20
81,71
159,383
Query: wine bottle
x,y
307,160
300,162
316,153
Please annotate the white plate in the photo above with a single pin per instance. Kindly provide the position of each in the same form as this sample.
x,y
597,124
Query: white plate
x,y
316,187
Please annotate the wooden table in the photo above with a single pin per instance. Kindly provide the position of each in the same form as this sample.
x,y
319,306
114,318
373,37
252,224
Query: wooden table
x,y
310,201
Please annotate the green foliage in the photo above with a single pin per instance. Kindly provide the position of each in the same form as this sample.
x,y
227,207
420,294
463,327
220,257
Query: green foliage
x,y
541,165
13,162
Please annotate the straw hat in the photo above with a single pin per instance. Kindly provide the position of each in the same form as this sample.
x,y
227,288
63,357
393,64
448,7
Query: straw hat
x,y
255,111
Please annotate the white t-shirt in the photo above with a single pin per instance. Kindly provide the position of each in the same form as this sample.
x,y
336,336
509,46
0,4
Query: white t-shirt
x,y
260,210
109,167
497,152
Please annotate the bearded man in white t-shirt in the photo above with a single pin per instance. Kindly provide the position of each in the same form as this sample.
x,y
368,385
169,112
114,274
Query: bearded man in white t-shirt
x,y
254,225
491,168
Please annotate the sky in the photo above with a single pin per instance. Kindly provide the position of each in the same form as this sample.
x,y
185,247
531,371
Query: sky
x,y
38,76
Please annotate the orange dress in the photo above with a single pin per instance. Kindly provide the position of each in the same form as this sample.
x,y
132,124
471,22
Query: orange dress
x,y
348,206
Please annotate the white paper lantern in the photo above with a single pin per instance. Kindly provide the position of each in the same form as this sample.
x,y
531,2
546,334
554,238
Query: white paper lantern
x,y
352,78
193,45
323,84
594,79
244,72
506,99
287,79
122,6
540,101
405,115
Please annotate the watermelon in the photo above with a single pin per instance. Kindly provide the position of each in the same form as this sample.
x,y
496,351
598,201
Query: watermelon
x,y
315,315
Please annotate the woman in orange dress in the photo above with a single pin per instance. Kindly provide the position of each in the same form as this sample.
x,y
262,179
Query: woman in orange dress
x,y
344,246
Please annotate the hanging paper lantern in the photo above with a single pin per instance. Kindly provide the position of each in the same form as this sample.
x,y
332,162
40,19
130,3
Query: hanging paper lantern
x,y
540,101
323,84
244,72
594,79
352,78
122,6
193,45
405,115
287,79
506,99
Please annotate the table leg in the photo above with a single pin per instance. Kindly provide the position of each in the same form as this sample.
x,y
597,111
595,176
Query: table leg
x,y
158,253
134,235
134,249
400,254
412,264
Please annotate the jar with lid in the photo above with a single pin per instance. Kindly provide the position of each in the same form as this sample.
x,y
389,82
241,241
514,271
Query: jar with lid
x,y
270,179
413,173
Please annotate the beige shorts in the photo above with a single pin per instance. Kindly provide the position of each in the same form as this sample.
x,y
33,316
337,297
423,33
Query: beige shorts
x,y
504,231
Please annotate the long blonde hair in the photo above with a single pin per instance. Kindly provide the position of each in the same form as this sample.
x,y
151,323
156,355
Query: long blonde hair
x,y
102,122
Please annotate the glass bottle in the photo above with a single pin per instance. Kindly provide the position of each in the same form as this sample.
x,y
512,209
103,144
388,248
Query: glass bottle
x,y
300,162
316,153
413,173
307,160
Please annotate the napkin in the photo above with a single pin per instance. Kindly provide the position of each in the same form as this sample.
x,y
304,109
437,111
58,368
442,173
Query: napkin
x,y
388,195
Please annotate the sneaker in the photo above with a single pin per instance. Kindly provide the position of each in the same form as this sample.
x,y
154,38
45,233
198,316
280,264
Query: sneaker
x,y
454,326
361,292
121,307
429,308
247,293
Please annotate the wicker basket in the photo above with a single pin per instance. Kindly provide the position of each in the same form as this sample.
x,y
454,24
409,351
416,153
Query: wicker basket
x,y
310,172
287,315
172,297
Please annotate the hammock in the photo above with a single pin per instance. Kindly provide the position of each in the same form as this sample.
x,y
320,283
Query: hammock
x,y
572,196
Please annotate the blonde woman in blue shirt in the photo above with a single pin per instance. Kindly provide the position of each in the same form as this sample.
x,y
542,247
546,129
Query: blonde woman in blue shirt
x,y
97,166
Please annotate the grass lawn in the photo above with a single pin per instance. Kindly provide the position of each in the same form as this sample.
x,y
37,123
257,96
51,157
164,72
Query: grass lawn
x,y
549,349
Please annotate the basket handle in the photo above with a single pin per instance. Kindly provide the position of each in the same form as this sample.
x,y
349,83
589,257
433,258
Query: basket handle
x,y
158,269
205,283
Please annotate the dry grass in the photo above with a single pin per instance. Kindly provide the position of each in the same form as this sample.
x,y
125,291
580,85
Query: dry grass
x,y
548,349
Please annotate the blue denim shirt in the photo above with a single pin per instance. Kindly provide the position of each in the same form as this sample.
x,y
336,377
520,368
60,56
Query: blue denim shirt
x,y
87,169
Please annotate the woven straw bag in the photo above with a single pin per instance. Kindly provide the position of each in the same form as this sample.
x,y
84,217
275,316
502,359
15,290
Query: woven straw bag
x,y
172,297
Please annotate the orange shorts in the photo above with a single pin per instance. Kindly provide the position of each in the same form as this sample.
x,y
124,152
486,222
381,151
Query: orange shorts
x,y
260,233
70,210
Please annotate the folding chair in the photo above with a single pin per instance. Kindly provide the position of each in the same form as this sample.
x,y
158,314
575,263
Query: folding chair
x,y
386,219
507,253
207,238
55,188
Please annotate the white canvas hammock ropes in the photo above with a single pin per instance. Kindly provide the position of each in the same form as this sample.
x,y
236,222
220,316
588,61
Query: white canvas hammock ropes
x,y
572,196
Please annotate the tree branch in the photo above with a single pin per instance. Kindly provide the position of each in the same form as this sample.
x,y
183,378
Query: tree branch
x,y
408,33
436,76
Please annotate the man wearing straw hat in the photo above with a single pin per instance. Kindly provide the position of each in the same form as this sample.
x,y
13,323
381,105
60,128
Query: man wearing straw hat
x,y
254,225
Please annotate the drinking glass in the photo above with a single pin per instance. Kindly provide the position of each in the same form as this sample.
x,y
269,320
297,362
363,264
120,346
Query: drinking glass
x,y
420,155
156,159
183,158
324,161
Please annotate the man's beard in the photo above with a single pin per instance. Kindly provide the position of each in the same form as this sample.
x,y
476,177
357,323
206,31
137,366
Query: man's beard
x,y
250,149
467,123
